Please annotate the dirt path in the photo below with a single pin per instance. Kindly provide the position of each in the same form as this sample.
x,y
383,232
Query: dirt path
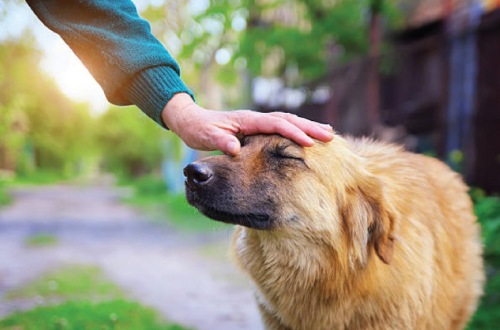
x,y
156,265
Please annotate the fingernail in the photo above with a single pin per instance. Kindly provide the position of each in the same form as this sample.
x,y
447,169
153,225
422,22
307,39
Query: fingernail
x,y
232,147
327,126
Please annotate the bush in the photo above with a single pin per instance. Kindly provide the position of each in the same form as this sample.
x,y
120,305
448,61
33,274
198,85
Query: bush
x,y
129,142
487,209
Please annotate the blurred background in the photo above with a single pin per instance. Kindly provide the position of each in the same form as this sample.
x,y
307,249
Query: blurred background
x,y
95,232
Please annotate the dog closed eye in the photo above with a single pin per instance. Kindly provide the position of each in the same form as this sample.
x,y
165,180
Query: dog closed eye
x,y
283,153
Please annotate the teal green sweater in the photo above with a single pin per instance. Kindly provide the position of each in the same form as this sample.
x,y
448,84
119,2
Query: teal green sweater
x,y
118,49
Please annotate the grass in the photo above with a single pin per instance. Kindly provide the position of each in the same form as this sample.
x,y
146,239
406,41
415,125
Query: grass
x,y
67,283
5,198
151,195
87,300
39,240
83,315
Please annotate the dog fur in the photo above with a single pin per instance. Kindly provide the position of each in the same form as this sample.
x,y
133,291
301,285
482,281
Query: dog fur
x,y
348,235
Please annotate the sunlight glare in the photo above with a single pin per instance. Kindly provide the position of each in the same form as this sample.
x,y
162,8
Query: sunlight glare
x,y
72,77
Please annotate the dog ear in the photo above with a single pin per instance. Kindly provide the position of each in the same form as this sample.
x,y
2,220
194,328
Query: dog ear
x,y
383,236
384,247
381,227
368,220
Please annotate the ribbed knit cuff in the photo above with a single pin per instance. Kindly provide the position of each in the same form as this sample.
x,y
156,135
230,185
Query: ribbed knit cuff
x,y
152,88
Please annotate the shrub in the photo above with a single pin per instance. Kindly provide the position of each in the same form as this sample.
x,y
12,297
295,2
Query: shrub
x,y
487,209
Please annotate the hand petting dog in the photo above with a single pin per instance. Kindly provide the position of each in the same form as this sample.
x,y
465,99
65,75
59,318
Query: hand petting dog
x,y
204,129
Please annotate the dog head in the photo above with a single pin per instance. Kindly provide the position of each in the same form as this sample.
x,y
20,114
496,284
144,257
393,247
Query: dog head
x,y
325,194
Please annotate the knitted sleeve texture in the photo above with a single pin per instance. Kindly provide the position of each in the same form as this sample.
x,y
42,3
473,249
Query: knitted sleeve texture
x,y
118,49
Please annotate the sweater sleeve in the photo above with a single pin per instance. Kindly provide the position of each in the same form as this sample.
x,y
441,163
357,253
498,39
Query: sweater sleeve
x,y
118,49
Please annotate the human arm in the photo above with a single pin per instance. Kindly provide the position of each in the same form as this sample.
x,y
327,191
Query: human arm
x,y
133,67
118,49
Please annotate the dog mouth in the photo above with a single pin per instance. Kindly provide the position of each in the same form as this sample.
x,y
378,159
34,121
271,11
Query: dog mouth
x,y
261,221
217,201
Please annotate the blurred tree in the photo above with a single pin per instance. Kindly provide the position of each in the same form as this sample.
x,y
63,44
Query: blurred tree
x,y
130,143
292,39
37,121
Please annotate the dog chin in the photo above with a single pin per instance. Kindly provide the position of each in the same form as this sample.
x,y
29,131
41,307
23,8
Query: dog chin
x,y
255,220
260,221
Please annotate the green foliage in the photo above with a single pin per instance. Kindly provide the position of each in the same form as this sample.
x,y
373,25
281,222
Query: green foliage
x,y
81,315
487,209
295,40
130,143
487,316
284,34
41,240
39,126
47,138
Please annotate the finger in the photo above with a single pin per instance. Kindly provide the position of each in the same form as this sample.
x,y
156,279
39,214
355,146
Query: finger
x,y
326,127
265,123
227,143
315,130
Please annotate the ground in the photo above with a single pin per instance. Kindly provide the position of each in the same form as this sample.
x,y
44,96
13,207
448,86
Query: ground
x,y
184,276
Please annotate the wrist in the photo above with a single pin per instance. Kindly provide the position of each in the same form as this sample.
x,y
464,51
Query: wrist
x,y
174,106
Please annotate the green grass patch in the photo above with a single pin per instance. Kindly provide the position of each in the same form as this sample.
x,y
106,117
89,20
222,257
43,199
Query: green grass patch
x,y
86,300
39,240
68,283
83,315
151,195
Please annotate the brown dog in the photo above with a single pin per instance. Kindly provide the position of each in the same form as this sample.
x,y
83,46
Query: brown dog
x,y
352,234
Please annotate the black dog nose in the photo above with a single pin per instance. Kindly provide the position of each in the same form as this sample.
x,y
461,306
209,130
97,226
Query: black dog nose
x,y
197,174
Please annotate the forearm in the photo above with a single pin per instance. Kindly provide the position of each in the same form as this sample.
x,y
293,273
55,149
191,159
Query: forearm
x,y
117,47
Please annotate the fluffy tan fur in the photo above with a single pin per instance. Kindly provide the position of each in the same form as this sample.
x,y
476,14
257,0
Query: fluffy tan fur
x,y
381,239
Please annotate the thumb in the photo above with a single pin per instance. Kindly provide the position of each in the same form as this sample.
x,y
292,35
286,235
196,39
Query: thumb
x,y
228,144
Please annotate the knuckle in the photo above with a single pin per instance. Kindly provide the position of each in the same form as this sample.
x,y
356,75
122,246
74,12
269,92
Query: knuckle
x,y
286,115
277,114
240,114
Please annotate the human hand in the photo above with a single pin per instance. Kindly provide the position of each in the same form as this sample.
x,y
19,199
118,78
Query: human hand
x,y
204,129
